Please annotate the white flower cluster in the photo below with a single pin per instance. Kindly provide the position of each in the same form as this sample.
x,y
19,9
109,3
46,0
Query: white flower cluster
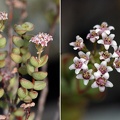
x,y
99,73
41,39
3,16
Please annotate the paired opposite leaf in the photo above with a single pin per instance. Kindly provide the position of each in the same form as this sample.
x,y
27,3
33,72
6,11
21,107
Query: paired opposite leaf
x,y
39,75
34,61
22,92
33,94
43,60
2,63
18,41
22,70
3,55
39,85
30,69
26,83
19,112
16,51
27,99
2,42
16,58
1,92
25,57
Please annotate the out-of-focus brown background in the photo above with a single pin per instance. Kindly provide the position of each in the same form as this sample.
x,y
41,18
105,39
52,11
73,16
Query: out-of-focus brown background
x,y
78,17
37,10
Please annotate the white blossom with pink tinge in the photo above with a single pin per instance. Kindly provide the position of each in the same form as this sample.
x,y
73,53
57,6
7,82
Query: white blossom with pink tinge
x,y
3,16
103,28
101,82
85,76
93,36
41,39
107,41
78,65
102,68
78,44
116,64
105,55
116,52
85,56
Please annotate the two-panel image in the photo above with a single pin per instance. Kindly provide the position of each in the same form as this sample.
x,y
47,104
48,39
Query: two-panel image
x,y
59,60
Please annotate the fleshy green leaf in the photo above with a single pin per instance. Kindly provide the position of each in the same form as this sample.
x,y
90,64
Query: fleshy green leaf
x,y
19,30
34,61
2,63
33,94
18,41
1,92
22,92
16,51
25,57
16,58
3,55
43,60
39,85
39,75
2,42
19,112
30,69
27,99
22,70
28,26
26,83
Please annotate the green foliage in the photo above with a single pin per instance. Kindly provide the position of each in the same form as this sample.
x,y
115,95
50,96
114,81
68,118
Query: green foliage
x,y
34,61
16,58
17,41
39,85
33,94
2,42
1,92
3,55
43,60
22,92
39,75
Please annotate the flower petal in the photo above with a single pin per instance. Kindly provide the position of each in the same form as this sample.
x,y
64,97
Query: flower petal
x,y
97,74
81,53
102,89
115,55
75,59
84,66
97,65
92,40
79,76
86,82
92,77
104,63
114,43
111,28
107,47
118,70
72,44
100,41
106,75
77,71
96,26
107,31
109,84
104,35
72,67
109,68
88,54
94,85
111,36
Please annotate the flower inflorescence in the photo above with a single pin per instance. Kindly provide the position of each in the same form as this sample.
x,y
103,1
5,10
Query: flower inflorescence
x,y
3,16
41,39
95,65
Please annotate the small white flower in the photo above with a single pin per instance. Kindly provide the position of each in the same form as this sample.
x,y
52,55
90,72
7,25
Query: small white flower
x,y
93,36
84,56
86,76
41,39
103,28
78,44
116,64
116,52
102,68
107,41
78,65
101,82
105,56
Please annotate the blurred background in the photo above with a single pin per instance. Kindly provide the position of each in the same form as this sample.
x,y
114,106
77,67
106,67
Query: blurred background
x,y
77,18
40,13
